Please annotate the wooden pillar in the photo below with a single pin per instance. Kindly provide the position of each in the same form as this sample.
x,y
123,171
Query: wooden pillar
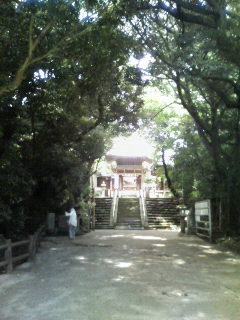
x,y
112,184
139,182
120,182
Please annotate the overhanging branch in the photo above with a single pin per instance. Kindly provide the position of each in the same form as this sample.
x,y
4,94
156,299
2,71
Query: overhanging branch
x,y
194,14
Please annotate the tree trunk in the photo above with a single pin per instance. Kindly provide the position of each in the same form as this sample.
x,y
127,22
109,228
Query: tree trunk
x,y
169,181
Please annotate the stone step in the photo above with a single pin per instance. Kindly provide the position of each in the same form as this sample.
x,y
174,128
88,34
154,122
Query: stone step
x,y
162,213
102,213
103,227
162,207
170,214
128,214
129,222
128,228
133,216
137,223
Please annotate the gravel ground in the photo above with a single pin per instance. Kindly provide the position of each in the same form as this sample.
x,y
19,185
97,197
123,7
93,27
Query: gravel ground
x,y
124,275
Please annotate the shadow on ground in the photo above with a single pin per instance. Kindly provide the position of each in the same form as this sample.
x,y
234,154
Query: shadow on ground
x,y
124,274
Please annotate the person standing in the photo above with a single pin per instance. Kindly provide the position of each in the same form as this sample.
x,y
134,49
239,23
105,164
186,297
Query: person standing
x,y
72,222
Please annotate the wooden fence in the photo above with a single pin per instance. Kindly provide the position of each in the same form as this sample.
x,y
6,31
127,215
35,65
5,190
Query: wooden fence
x,y
32,243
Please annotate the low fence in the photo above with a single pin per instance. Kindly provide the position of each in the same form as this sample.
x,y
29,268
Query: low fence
x,y
32,245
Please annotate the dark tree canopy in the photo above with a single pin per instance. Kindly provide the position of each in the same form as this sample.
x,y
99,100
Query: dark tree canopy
x,y
65,88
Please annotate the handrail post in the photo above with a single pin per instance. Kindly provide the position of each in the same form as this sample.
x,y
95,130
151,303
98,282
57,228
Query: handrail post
x,y
141,209
8,255
93,216
145,211
114,209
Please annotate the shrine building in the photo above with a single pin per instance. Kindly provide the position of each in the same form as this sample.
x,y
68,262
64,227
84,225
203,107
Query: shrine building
x,y
129,176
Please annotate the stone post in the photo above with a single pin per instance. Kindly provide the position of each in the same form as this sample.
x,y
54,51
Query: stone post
x,y
8,255
51,222
191,229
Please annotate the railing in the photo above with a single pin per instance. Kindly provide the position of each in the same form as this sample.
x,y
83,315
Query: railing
x,y
113,217
33,243
143,210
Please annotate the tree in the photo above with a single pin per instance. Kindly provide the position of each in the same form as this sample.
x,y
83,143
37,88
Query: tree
x,y
189,43
65,90
190,170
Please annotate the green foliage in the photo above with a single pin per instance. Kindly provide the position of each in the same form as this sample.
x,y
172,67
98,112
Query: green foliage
x,y
64,90
192,170
84,216
66,86
195,51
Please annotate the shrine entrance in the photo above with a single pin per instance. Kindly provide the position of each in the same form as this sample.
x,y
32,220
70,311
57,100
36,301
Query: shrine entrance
x,y
125,175
130,182
128,173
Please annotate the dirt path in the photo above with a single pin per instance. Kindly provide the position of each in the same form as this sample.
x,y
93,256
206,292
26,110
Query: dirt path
x,y
124,275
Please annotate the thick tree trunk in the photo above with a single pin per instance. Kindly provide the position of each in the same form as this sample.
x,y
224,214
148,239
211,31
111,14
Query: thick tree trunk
x,y
169,181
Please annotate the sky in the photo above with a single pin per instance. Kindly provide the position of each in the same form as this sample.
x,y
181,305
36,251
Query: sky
x,y
134,145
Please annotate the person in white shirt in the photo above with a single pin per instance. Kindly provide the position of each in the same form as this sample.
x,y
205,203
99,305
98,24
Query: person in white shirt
x,y
72,221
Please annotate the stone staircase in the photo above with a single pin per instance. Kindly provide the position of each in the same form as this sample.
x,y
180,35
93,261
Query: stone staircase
x,y
162,213
102,213
128,216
